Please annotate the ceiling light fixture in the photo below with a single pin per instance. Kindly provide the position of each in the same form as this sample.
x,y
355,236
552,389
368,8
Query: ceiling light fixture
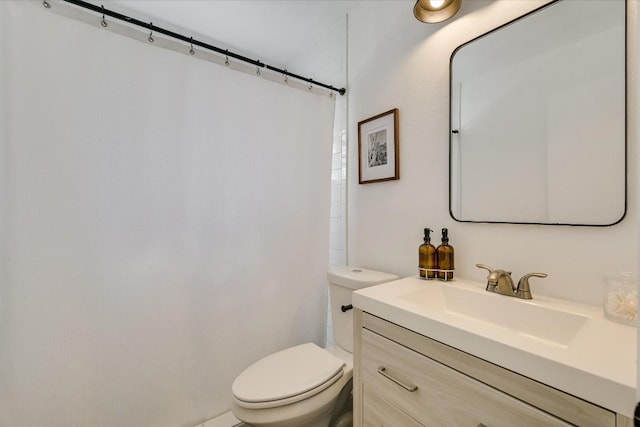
x,y
433,11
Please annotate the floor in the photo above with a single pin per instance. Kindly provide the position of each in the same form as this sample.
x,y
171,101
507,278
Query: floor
x,y
225,420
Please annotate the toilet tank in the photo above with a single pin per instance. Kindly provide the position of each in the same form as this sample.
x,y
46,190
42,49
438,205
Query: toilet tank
x,y
342,282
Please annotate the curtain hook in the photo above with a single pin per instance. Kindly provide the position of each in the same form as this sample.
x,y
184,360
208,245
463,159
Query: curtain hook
x,y
46,4
330,94
258,69
103,22
310,85
150,38
191,51
226,58
286,77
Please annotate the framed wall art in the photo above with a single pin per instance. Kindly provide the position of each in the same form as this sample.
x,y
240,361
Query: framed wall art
x,y
378,155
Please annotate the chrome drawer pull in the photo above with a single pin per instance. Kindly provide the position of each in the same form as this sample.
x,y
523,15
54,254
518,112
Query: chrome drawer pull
x,y
383,371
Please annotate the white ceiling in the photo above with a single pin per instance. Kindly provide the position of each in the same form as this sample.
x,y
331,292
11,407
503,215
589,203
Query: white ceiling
x,y
272,31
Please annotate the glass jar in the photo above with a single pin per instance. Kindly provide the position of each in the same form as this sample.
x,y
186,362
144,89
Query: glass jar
x,y
621,299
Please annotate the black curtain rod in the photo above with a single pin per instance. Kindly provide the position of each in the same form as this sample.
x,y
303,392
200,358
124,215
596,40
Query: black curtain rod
x,y
101,9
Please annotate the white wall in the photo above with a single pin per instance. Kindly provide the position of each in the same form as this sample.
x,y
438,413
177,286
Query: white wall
x,y
396,61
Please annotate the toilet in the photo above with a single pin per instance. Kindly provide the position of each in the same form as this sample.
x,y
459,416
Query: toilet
x,y
306,385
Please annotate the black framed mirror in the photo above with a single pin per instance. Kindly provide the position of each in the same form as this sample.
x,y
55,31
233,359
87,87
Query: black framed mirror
x,y
538,118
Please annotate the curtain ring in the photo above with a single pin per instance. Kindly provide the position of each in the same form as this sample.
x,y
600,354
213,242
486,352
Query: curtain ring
x,y
226,58
103,22
286,77
257,70
150,38
191,51
46,4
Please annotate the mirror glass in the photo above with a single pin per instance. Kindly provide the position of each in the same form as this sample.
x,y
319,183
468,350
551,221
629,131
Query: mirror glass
x,y
538,118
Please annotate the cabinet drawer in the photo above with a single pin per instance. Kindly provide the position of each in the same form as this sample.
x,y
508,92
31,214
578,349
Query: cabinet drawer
x,y
442,396
379,412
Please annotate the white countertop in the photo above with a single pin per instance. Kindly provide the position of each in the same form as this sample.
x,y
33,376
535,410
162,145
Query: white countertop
x,y
598,364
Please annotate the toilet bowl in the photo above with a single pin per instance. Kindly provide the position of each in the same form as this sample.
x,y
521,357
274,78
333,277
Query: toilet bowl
x,y
301,386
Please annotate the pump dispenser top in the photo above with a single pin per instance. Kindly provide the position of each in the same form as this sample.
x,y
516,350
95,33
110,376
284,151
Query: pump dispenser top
x,y
445,256
427,260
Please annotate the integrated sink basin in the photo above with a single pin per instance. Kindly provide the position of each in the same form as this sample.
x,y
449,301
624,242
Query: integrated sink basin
x,y
564,344
540,321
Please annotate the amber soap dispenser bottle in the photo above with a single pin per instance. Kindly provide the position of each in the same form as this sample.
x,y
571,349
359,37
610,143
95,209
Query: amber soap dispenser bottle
x,y
427,257
444,253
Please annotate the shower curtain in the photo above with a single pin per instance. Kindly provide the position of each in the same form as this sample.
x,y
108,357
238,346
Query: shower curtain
x,y
164,223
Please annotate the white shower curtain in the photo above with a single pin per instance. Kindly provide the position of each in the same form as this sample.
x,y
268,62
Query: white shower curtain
x,y
163,224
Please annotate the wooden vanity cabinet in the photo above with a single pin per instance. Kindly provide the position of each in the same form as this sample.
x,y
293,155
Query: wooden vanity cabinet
x,y
402,378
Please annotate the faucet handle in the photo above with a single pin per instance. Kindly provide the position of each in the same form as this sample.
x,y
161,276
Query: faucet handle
x,y
491,285
523,291
491,270
486,267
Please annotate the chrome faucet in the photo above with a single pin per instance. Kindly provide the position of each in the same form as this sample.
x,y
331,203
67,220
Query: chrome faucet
x,y
500,282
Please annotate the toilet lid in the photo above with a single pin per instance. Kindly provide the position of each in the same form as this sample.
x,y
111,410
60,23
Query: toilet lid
x,y
303,370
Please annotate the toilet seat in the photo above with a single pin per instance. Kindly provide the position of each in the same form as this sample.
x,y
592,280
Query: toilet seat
x,y
286,377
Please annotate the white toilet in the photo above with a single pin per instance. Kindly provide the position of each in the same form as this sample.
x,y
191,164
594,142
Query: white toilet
x,y
301,386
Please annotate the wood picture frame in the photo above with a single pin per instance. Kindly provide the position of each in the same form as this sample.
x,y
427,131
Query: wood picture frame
x,y
378,148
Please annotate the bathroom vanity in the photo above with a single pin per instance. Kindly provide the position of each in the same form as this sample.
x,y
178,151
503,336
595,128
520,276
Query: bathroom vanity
x,y
431,353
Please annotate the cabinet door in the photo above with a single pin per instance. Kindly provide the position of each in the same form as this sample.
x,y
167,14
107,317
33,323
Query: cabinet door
x,y
379,412
438,396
